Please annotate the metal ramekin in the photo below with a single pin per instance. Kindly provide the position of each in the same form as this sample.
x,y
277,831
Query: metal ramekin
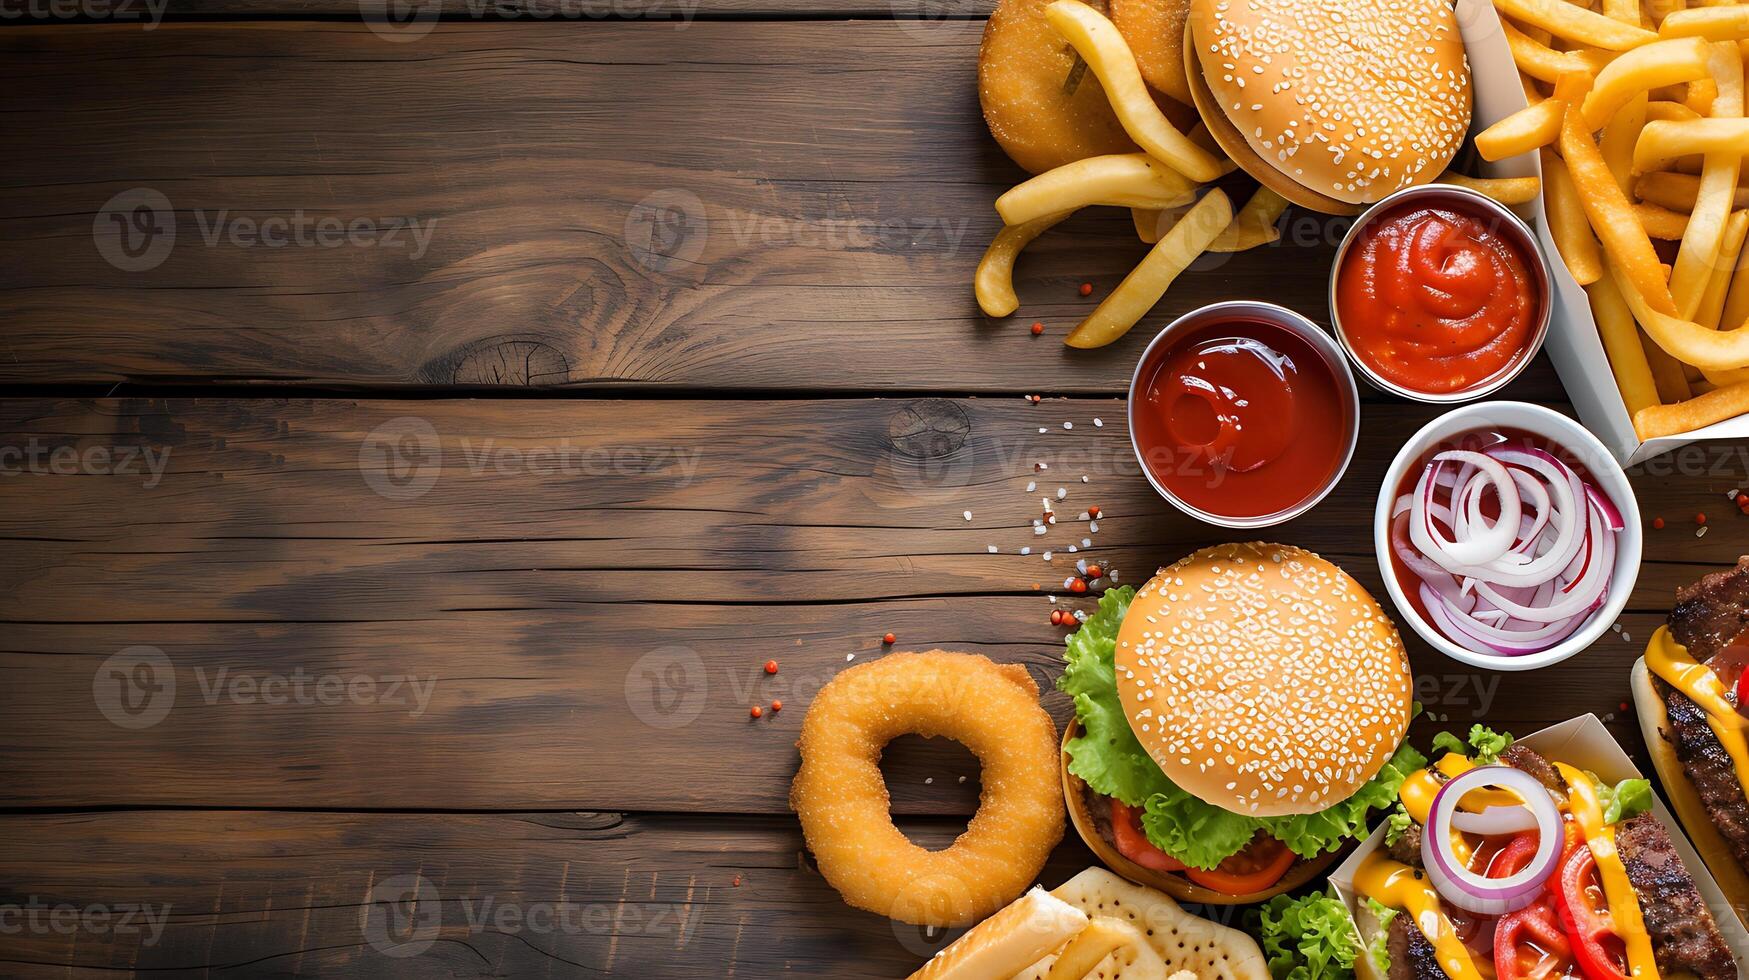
x,y
1293,323
1508,224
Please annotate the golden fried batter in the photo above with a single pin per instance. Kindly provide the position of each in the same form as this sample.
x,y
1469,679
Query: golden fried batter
x,y
842,800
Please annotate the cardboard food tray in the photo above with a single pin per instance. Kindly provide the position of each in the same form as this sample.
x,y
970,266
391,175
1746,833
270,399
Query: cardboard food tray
x,y
1585,743
1573,343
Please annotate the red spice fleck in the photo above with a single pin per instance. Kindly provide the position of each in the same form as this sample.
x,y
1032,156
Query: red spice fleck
x,y
756,711
777,705
1056,617
735,881
1077,585
1624,706
1093,571
1093,512
1743,499
771,666
1700,518
1658,522
1037,328
889,639
1036,399
1087,289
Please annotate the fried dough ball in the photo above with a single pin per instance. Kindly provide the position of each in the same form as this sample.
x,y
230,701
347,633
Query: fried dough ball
x,y
1042,117
841,796
1154,30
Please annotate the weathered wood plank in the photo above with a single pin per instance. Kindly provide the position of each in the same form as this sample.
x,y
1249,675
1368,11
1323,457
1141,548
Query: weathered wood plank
x,y
586,629
526,895
507,179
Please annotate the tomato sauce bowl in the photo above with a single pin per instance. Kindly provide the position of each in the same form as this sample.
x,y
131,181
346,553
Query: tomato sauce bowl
x,y
1440,294
1576,474
1243,414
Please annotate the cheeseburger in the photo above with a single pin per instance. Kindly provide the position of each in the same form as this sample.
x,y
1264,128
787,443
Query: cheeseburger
x,y
1238,718
1350,99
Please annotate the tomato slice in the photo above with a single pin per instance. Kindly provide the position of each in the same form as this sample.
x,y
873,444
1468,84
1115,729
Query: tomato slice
x,y
1133,843
1529,943
1259,865
1585,918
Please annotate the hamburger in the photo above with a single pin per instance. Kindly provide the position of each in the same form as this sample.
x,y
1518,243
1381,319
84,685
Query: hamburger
x,y
1690,691
1346,99
1237,720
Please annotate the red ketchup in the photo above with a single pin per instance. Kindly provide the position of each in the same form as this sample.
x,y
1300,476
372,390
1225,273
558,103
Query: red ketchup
x,y
1241,418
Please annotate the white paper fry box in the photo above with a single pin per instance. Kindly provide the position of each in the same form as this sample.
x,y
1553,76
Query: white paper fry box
x,y
1584,743
1573,343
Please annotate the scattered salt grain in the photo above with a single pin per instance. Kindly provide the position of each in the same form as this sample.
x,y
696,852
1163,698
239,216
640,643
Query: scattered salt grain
x,y
929,781
1086,542
1043,465
967,515
1615,627
1062,492
1026,551
1700,532
1073,549
1041,430
1098,423
1068,425
1048,558
962,779
1038,530
1031,485
1626,637
1093,527
1081,566
991,548
849,657
1083,478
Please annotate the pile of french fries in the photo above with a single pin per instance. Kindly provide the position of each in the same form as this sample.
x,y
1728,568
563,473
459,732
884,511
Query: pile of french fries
x,y
1160,185
1638,114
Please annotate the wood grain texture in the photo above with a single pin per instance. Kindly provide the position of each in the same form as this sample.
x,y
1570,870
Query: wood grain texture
x,y
524,895
583,630
727,205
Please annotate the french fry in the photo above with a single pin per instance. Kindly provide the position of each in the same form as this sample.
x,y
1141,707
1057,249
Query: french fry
x,y
1147,222
1125,180
1712,300
1254,225
993,283
1687,341
1678,191
1699,95
1657,421
1626,11
1621,341
1666,371
1567,224
1200,135
1612,217
1576,23
1662,223
1147,282
1618,139
1506,190
1736,309
1536,125
1096,39
1092,945
1699,252
1663,142
1670,111
1542,62
1712,23
1642,69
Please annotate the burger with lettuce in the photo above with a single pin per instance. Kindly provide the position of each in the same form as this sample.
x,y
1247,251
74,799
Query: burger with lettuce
x,y
1238,719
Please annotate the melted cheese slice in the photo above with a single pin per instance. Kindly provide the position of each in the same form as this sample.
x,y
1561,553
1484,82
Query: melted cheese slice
x,y
1624,903
1670,661
1396,885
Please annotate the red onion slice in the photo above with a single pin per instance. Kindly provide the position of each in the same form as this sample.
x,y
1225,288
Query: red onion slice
x,y
1464,888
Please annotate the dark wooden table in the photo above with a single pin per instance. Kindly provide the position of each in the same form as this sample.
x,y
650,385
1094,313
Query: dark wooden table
x,y
419,433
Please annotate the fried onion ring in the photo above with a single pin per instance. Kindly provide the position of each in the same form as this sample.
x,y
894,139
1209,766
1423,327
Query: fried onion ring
x,y
841,796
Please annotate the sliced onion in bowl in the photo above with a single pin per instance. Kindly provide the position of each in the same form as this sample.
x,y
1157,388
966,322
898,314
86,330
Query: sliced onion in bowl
x,y
1476,893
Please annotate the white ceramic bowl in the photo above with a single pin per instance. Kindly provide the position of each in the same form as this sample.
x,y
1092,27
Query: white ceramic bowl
x,y
1585,448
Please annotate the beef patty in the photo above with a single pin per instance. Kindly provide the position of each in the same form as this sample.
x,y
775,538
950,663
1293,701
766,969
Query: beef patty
x,y
1684,934
1708,615
1412,957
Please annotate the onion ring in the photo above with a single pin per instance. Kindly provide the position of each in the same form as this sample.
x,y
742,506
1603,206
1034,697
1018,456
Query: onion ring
x,y
841,796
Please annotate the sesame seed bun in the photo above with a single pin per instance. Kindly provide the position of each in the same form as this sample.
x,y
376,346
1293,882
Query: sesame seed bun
x,y
1353,99
1262,679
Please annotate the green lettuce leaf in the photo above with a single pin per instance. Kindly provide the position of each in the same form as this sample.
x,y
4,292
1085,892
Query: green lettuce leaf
x,y
1484,745
1628,798
1397,824
1379,952
1309,938
1108,758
